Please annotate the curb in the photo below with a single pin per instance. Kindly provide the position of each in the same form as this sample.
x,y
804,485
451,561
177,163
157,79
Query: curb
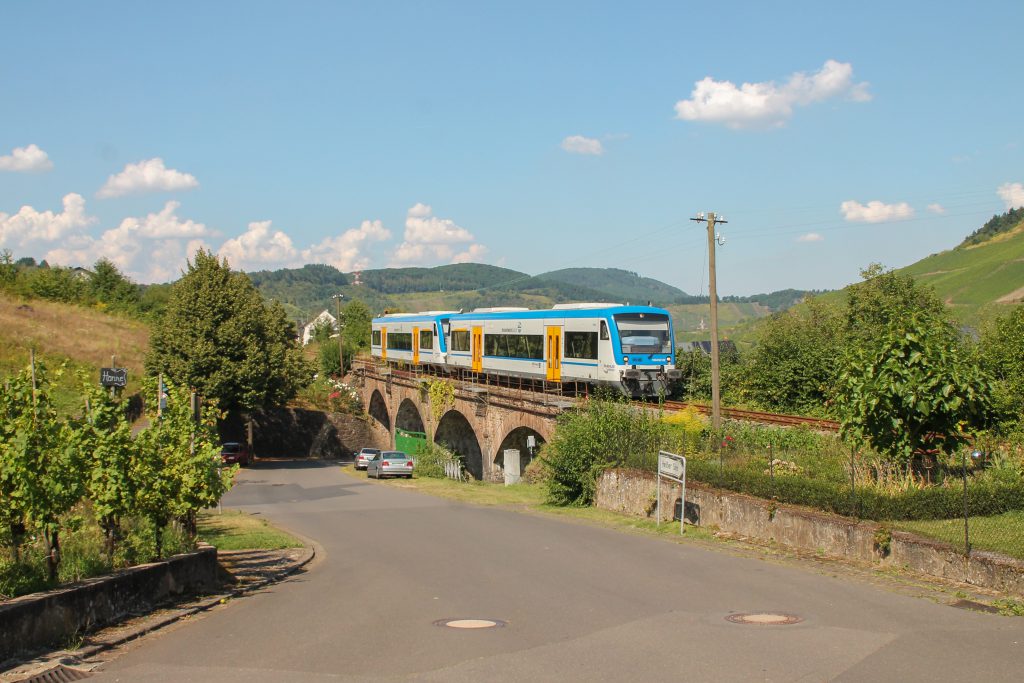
x,y
204,605
73,659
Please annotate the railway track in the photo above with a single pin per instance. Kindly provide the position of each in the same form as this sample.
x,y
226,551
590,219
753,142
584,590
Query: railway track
x,y
540,389
760,416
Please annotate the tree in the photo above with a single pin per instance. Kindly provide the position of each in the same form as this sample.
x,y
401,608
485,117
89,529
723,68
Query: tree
x,y
109,286
176,471
912,390
885,296
355,323
8,270
218,336
40,459
1002,357
109,448
696,368
796,360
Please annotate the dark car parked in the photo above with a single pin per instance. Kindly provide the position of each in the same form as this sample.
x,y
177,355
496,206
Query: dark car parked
x,y
234,452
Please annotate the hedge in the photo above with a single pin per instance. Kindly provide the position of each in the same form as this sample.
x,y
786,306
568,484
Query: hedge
x,y
984,497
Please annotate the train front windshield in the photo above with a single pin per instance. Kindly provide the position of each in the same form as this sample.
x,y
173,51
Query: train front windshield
x,y
644,332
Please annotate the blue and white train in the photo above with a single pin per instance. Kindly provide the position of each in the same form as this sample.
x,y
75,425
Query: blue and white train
x,y
630,348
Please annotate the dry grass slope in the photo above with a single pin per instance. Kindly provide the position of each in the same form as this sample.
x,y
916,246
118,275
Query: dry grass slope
x,y
85,337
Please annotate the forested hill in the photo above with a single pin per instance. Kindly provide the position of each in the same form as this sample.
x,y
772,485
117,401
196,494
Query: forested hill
x,y
618,285
458,277
1010,221
306,291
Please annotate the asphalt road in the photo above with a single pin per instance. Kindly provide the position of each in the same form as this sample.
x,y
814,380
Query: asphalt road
x,y
579,602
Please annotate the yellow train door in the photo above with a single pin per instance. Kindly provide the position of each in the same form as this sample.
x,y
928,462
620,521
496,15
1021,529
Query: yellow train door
x,y
383,343
415,346
478,349
554,354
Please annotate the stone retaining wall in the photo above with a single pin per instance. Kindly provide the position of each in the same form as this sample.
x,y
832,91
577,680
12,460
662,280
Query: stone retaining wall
x,y
633,492
34,621
301,433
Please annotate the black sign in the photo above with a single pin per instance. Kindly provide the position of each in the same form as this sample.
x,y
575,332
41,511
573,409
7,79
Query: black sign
x,y
113,377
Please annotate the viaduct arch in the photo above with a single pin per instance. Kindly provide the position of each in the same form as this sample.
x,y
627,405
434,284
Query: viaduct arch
x,y
479,424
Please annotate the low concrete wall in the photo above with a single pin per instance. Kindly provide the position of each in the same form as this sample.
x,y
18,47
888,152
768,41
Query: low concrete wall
x,y
634,493
42,619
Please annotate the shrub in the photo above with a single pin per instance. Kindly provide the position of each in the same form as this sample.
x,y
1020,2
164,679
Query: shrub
x,y
987,495
431,460
598,435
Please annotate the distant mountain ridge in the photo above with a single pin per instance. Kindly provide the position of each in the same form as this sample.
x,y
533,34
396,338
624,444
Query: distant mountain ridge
x,y
618,285
308,290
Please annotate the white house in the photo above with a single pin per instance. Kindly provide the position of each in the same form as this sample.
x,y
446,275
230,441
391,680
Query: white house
x,y
324,317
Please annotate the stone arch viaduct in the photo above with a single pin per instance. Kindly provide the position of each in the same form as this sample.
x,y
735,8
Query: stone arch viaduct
x,y
479,424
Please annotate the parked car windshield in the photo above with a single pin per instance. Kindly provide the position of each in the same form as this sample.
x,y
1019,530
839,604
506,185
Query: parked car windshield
x,y
231,448
370,451
395,456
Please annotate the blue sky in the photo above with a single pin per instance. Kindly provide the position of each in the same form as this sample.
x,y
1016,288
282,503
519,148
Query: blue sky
x,y
531,135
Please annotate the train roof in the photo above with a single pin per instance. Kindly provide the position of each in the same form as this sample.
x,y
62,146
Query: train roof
x,y
594,310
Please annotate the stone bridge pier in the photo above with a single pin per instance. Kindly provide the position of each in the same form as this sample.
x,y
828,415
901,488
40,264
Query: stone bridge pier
x,y
479,424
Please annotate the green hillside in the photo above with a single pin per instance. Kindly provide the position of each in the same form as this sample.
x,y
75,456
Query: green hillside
x,y
618,285
980,280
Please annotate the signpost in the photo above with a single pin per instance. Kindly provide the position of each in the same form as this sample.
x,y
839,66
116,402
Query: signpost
x,y
672,466
113,377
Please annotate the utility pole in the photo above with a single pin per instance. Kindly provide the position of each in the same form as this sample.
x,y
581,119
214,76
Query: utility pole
x,y
716,393
341,349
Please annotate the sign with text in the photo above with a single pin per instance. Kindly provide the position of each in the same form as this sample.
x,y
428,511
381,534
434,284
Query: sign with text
x,y
670,465
673,467
113,377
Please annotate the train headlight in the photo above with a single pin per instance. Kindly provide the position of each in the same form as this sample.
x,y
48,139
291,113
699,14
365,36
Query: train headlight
x,y
625,359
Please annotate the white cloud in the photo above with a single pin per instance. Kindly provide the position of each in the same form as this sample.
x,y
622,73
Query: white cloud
x,y
147,249
430,239
810,237
30,226
577,144
165,224
938,209
768,104
149,175
346,252
875,211
259,247
1012,194
26,159
474,254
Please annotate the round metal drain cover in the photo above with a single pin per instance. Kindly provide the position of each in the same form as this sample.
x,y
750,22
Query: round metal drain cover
x,y
470,623
764,619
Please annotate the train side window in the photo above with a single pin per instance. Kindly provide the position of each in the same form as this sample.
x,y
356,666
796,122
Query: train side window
x,y
376,338
604,330
460,340
581,345
426,339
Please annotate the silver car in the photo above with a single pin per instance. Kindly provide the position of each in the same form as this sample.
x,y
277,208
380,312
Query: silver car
x,y
390,464
365,456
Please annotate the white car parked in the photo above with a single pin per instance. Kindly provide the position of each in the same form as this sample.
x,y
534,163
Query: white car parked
x,y
364,456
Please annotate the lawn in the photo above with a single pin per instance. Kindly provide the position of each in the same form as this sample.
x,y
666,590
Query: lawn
x,y
233,530
1002,533
530,498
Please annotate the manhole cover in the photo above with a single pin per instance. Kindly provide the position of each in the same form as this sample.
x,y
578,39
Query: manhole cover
x,y
58,674
764,619
470,623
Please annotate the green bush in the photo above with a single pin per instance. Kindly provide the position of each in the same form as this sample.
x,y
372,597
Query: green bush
x,y
987,495
598,435
431,460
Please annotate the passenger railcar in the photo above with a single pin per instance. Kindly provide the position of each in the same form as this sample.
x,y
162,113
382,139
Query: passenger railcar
x,y
630,348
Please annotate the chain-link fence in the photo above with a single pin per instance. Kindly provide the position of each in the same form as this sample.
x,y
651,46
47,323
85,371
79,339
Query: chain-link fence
x,y
973,499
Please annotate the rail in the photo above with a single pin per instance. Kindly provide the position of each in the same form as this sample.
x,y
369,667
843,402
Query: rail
x,y
547,398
